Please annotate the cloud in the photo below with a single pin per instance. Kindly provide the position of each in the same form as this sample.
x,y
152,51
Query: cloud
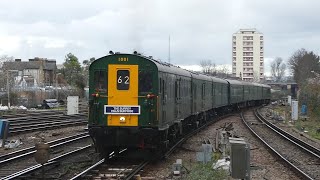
x,y
198,30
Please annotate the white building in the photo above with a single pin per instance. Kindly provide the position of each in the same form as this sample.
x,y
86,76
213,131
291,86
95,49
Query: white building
x,y
247,55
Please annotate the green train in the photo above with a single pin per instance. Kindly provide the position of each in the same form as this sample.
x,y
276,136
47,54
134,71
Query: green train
x,y
137,102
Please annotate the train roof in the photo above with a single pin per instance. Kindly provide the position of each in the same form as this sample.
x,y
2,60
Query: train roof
x,y
261,85
169,68
215,79
231,81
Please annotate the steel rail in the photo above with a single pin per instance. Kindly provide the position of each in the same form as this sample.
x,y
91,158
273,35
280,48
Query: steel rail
x,y
313,150
136,170
89,169
182,140
166,155
17,125
47,126
38,166
28,151
45,115
306,176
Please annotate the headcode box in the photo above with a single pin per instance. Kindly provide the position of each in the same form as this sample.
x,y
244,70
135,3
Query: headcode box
x,y
110,109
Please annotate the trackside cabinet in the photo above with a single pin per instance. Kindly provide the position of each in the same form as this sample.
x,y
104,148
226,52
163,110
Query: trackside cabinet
x,y
72,105
240,159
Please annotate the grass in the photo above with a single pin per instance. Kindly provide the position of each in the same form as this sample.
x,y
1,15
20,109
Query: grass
x,y
202,171
311,125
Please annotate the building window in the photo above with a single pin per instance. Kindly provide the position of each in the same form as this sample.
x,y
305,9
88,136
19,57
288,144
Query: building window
x,y
234,53
248,58
247,48
247,43
261,64
247,37
233,48
261,58
247,53
261,43
261,37
234,59
261,53
234,38
234,43
261,48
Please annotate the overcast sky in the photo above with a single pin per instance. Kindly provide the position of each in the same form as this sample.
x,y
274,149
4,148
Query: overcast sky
x,y
199,29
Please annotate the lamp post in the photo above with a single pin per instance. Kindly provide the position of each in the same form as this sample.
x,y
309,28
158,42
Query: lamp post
x,y
8,87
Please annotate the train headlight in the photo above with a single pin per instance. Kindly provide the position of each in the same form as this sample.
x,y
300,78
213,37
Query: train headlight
x,y
95,95
149,96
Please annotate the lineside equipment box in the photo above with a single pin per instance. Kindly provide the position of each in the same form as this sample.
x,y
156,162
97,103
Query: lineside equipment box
x,y
72,105
240,158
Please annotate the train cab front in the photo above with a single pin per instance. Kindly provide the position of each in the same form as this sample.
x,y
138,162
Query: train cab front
x,y
122,116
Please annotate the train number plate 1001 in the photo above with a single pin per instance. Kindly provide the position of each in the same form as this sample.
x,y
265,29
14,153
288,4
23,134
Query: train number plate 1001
x,y
109,109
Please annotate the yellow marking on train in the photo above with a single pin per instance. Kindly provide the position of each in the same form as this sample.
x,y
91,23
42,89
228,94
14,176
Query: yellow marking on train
x,y
123,59
122,97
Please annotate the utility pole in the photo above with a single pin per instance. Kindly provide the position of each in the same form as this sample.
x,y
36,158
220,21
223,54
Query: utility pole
x,y
8,92
169,49
8,86
57,92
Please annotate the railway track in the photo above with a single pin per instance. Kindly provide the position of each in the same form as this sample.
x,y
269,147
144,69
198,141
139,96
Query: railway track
x,y
83,109
302,157
26,124
18,163
32,114
118,168
112,167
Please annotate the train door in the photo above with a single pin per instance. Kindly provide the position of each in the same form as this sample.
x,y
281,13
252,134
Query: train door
x,y
213,95
163,97
193,96
122,108
203,94
177,96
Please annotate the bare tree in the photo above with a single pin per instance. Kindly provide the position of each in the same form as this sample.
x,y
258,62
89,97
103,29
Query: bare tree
x,y
278,69
208,67
5,58
223,71
256,77
4,69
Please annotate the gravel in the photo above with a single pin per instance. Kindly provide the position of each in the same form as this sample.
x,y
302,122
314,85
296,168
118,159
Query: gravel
x,y
263,164
288,127
29,139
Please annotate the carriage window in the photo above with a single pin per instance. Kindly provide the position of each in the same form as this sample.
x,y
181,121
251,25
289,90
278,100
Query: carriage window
x,y
123,79
176,88
145,82
160,88
100,80
203,90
